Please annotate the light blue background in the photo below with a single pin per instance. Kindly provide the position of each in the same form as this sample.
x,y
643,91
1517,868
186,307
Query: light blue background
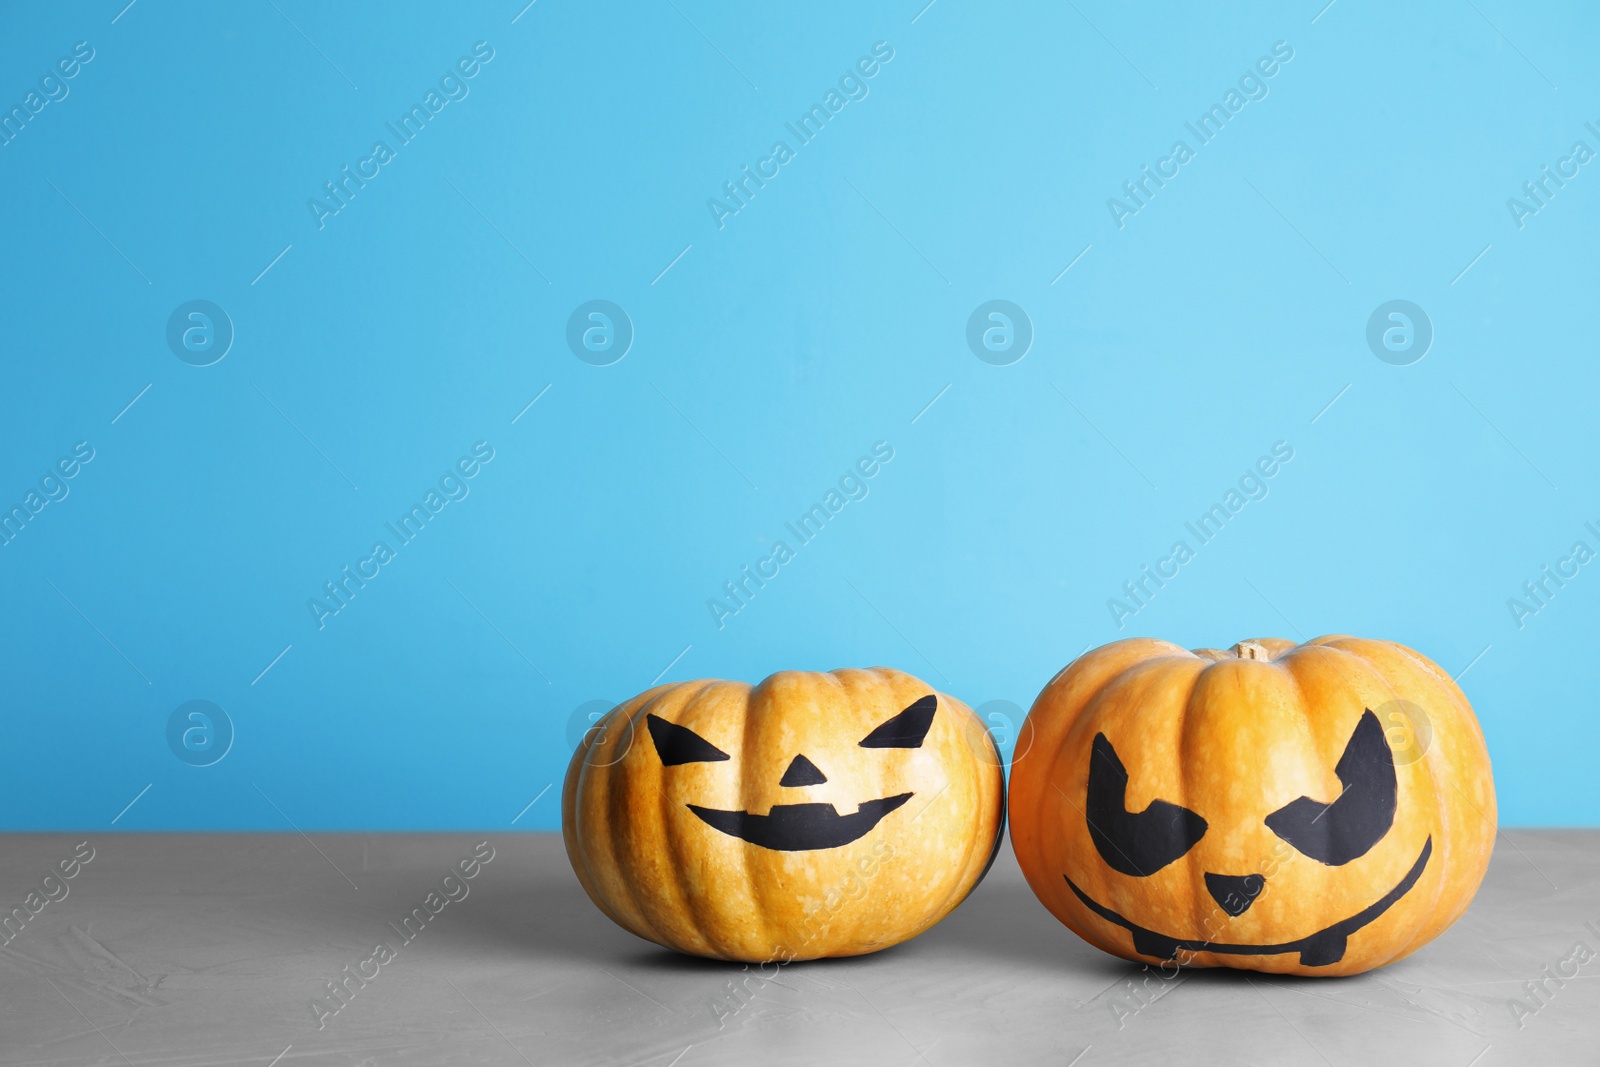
x,y
822,318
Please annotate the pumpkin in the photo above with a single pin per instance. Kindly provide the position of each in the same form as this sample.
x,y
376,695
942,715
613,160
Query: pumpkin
x,y
810,815
1313,809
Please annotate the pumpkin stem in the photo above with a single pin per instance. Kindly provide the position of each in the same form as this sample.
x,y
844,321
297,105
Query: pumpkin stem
x,y
1251,650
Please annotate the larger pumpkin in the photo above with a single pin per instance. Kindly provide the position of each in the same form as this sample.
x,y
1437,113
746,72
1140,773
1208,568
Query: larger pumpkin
x,y
811,815
1314,809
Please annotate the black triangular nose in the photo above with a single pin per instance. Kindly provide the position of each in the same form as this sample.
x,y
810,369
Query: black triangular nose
x,y
1235,892
802,772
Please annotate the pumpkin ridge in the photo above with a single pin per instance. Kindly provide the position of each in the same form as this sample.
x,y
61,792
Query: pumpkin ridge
x,y
611,848
850,683
1196,901
1271,674
572,834
1418,934
1444,771
1367,676
749,733
615,844
951,899
1047,795
890,680
1444,774
1448,853
1111,690
665,803
1000,827
634,920
688,693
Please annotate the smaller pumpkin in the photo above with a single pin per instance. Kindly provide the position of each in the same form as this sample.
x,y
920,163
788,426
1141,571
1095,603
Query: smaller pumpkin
x,y
810,815
1313,809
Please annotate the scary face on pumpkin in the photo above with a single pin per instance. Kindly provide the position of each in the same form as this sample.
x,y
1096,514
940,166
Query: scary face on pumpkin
x,y
811,815
1269,808
797,827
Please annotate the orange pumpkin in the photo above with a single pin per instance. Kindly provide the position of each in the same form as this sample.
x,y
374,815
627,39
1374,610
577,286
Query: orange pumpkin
x,y
811,815
1313,809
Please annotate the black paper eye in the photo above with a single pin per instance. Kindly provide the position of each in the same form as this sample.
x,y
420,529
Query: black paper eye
x,y
1136,843
905,730
678,744
1358,818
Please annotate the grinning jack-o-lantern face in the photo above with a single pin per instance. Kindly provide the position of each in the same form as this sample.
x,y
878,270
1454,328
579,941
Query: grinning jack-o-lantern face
x,y
811,815
801,826
1248,809
1333,833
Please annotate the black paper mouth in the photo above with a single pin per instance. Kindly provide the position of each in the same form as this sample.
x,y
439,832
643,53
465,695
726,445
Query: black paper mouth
x,y
1321,949
800,827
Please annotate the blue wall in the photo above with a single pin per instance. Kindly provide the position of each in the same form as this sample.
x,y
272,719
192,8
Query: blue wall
x,y
380,339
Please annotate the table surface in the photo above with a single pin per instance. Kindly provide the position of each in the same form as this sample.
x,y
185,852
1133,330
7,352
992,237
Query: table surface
x,y
210,949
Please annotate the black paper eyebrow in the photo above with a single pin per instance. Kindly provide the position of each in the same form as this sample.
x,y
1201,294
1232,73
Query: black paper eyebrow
x,y
678,744
1136,843
905,730
1346,828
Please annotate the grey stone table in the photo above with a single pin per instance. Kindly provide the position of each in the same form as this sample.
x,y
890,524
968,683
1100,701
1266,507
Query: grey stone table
x,y
219,949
